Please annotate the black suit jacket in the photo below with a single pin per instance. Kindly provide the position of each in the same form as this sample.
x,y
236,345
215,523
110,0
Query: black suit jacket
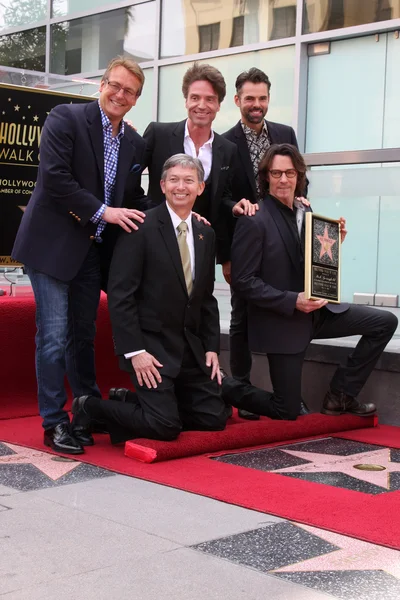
x,y
244,184
56,232
267,272
165,139
149,305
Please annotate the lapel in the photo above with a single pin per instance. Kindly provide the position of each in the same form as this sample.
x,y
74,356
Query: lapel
x,y
96,135
282,229
199,250
273,133
125,157
244,154
171,243
217,156
177,137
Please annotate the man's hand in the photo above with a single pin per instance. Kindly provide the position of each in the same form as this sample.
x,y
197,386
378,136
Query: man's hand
x,y
200,218
308,306
244,207
128,122
213,362
303,200
145,366
226,271
343,230
123,217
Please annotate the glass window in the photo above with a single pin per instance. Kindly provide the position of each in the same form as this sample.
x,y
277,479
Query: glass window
x,y
321,15
368,197
192,26
16,13
344,108
24,50
85,45
67,7
278,64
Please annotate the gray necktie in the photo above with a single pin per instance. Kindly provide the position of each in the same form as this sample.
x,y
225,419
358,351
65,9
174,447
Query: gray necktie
x,y
185,255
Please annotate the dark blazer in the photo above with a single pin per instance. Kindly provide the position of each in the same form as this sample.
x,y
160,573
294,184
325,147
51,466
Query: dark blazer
x,y
244,184
149,305
165,139
267,272
56,232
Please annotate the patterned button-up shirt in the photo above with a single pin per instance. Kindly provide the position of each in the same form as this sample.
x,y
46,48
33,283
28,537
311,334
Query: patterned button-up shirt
x,y
111,153
257,145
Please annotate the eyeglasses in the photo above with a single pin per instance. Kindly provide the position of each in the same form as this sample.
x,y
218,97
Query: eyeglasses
x,y
276,174
115,87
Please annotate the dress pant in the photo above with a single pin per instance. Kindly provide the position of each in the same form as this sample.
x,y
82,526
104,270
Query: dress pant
x,y
65,320
376,328
191,401
239,351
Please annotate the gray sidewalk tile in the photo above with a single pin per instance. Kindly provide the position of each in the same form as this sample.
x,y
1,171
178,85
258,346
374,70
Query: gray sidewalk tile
x,y
182,574
41,540
184,518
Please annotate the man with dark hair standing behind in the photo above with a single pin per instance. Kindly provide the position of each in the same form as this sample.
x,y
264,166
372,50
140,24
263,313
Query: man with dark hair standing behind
x,y
252,135
88,162
204,89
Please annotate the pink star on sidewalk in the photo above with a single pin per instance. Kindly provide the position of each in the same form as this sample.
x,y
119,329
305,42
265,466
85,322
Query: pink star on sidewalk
x,y
353,555
41,460
329,463
326,243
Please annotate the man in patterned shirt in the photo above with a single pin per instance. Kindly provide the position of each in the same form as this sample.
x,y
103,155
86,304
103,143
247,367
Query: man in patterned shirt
x,y
253,135
89,163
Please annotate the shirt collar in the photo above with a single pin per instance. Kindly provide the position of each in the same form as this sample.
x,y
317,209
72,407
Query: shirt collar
x,y
176,220
209,141
248,131
106,123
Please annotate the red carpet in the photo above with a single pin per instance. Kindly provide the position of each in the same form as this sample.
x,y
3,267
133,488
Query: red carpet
x,y
242,434
373,518
17,351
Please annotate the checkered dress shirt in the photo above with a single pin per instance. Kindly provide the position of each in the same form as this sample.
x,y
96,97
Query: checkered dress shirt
x,y
257,145
111,152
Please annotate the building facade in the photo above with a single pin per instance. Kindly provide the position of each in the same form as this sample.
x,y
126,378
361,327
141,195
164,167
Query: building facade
x,y
334,68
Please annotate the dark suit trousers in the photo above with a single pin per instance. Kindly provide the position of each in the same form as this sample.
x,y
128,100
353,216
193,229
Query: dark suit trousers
x,y
376,328
191,401
239,352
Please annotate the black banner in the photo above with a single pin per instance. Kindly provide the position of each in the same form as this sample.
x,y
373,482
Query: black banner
x,y
23,112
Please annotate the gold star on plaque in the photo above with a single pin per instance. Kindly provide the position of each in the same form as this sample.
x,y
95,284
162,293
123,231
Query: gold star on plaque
x,y
16,107
36,118
201,236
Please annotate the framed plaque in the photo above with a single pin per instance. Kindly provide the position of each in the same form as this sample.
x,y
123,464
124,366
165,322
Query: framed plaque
x,y
322,259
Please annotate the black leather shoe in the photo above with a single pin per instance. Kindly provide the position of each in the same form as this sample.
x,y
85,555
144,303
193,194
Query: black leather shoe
x,y
59,438
246,414
338,403
304,410
81,422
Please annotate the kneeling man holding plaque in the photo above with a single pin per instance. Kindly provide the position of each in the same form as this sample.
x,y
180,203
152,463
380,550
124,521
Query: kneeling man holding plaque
x,y
270,264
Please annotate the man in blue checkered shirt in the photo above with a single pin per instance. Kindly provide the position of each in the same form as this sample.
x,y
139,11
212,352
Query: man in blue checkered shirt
x,y
88,187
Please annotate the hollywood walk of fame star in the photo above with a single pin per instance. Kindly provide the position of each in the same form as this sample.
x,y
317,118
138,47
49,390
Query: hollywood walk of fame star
x,y
326,243
36,118
353,555
328,463
16,108
41,460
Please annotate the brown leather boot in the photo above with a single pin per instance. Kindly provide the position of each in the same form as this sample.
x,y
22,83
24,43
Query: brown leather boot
x,y
339,403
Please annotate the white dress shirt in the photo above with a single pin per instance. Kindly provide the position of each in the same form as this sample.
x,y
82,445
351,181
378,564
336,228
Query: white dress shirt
x,y
205,152
190,242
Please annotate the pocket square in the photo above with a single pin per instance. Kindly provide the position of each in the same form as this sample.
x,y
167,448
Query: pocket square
x,y
135,168
225,168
